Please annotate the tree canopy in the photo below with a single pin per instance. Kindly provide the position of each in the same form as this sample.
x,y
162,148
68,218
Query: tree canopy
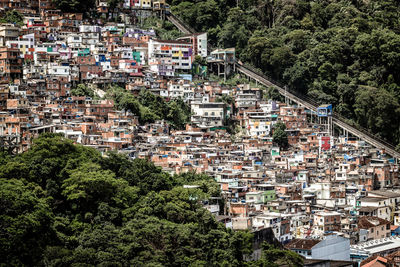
x,y
279,135
79,6
272,256
66,205
12,16
339,52
82,90
150,107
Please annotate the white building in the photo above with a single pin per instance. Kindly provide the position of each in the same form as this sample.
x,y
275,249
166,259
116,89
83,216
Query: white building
x,y
74,40
380,247
168,57
259,124
57,70
375,206
277,222
26,43
199,41
319,190
342,171
182,89
333,247
245,100
208,114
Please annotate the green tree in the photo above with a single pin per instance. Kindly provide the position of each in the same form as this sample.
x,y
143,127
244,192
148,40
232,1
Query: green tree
x,y
274,257
178,113
48,163
25,220
12,16
199,60
279,135
150,107
82,90
74,5
378,110
138,172
273,94
164,28
226,99
323,49
108,211
89,188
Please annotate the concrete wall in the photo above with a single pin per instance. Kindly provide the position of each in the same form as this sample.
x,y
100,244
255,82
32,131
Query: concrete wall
x,y
332,248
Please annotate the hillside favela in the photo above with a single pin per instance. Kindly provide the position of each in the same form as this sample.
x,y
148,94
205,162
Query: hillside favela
x,y
200,133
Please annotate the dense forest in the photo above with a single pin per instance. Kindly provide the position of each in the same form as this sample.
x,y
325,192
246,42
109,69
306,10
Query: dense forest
x,y
341,52
66,205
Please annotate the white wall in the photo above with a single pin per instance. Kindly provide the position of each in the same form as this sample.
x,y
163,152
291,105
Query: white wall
x,y
332,248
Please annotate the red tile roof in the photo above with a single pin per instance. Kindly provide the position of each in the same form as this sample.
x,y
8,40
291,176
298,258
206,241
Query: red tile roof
x,y
367,222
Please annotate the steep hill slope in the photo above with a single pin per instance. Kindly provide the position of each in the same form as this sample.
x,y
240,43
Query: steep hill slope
x,y
341,52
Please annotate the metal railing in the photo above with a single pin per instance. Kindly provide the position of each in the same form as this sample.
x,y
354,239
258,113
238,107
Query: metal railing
x,y
298,97
180,24
311,103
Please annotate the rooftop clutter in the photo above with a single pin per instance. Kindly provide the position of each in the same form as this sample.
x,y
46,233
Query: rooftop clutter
x,y
117,87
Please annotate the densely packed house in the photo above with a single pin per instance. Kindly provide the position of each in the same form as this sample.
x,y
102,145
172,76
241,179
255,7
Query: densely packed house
x,y
323,196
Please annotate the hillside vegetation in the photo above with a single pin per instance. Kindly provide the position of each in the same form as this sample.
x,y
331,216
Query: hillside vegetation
x,y
66,205
150,107
342,52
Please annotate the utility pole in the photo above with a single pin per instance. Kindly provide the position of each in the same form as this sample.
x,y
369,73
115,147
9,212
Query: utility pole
x,y
286,95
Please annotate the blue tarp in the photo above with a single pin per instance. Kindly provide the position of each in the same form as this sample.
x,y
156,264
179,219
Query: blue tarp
x,y
348,157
